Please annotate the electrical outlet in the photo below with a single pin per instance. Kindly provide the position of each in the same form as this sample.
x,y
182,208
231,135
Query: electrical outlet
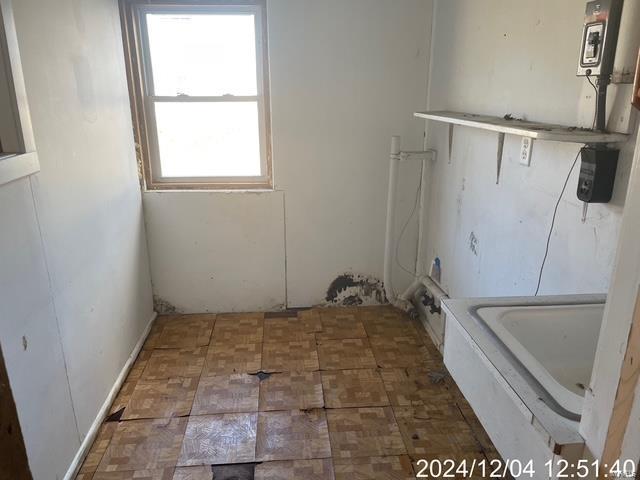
x,y
525,151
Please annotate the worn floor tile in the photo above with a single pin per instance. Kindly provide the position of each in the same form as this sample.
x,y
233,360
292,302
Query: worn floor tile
x,y
219,439
233,358
99,447
290,391
292,435
279,330
366,442
364,432
193,473
238,328
184,362
337,324
123,397
345,354
231,393
427,436
290,356
353,388
186,331
387,324
414,386
139,365
162,474
144,445
171,397
154,334
311,319
395,352
371,468
295,470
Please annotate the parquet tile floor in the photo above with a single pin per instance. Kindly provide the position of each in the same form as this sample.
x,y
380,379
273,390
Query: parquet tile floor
x,y
324,394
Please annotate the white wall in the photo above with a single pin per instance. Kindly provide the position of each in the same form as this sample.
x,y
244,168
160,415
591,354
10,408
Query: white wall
x,y
499,57
602,394
217,251
75,290
345,76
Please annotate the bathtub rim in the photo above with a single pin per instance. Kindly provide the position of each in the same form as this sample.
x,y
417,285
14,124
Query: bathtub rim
x,y
536,371
556,429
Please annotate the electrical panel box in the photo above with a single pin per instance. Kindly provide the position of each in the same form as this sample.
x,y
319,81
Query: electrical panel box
x,y
599,37
597,174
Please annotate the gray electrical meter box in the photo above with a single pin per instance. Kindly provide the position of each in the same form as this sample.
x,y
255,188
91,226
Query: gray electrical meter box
x,y
599,37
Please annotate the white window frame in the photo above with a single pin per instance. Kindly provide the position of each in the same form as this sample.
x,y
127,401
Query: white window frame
x,y
139,52
18,157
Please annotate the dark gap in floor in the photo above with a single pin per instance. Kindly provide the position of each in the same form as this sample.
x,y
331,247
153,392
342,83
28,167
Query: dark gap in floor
x,y
115,416
242,471
288,313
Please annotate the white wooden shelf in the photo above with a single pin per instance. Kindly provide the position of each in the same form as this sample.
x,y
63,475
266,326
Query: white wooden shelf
x,y
538,131
513,126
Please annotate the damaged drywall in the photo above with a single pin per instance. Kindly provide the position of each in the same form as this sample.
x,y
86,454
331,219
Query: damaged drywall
x,y
354,289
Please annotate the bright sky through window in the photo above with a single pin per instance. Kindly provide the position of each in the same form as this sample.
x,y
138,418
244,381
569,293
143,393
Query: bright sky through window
x,y
201,63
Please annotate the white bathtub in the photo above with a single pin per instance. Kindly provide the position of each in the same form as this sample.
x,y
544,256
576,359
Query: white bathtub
x,y
555,344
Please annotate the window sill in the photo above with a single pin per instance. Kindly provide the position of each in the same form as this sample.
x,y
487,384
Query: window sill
x,y
212,191
16,166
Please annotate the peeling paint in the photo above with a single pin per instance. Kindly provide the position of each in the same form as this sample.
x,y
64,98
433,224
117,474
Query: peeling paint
x,y
352,289
473,243
163,307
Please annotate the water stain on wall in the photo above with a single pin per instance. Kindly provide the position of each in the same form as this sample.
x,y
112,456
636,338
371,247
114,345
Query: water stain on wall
x,y
163,307
352,289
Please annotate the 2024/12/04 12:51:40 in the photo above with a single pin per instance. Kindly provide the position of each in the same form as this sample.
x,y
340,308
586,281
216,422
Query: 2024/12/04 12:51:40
x,y
559,468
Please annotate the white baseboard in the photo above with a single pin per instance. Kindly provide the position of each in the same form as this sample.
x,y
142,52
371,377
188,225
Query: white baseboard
x,y
104,410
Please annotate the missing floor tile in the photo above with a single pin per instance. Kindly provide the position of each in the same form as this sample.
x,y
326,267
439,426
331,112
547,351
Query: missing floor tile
x,y
288,313
115,416
244,471
262,375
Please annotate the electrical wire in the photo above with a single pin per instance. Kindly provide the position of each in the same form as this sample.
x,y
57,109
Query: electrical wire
x,y
553,221
404,228
564,187
595,89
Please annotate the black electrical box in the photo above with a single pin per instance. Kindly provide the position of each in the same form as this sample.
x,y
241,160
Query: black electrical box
x,y
597,174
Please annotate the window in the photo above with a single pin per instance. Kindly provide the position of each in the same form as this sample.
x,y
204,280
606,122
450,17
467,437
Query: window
x,y
18,157
199,82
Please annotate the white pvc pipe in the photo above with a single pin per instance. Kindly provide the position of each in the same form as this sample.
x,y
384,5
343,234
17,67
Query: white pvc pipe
x,y
403,301
394,159
423,183
408,294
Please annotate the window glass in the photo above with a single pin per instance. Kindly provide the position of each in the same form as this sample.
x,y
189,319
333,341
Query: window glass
x,y
212,139
202,54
